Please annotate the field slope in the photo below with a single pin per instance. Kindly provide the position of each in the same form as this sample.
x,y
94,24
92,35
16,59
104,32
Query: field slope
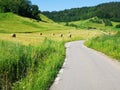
x,y
10,23
92,24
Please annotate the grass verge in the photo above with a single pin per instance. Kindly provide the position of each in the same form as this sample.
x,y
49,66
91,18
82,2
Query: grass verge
x,y
30,68
110,45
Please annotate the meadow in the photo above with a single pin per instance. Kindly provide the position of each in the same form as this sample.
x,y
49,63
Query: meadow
x,y
32,59
94,23
28,30
12,23
34,38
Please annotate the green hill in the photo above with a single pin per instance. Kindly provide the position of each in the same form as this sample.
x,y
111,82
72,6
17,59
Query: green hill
x,y
45,19
109,10
92,24
12,23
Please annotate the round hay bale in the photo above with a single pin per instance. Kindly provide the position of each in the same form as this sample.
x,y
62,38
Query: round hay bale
x,y
70,35
13,35
53,34
61,35
41,34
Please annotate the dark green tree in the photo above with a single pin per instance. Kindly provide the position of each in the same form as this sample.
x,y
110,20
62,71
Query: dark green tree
x,y
107,22
117,26
35,11
109,11
20,7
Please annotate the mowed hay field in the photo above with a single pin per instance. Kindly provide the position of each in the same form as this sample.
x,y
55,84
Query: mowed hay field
x,y
34,38
28,30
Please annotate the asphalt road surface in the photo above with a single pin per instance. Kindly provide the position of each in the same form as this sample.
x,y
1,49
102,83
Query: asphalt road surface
x,y
87,69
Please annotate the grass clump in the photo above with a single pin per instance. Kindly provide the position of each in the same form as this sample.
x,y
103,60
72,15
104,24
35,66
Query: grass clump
x,y
30,68
110,45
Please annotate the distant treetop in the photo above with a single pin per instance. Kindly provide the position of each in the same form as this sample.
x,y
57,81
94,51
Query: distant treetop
x,y
20,7
109,10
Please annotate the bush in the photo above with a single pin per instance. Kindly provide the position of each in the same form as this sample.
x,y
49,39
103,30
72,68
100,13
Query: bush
x,y
117,26
73,25
115,19
67,24
96,20
107,22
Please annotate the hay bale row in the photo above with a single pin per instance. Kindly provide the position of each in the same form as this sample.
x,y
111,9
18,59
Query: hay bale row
x,y
53,34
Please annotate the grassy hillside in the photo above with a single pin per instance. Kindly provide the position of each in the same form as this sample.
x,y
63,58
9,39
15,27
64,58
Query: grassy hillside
x,y
45,19
92,24
28,30
10,23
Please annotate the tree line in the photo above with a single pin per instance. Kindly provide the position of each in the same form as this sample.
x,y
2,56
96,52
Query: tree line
x,y
109,10
20,7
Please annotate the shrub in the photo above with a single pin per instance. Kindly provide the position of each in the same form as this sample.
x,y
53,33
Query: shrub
x,y
107,22
73,25
117,26
96,20
67,24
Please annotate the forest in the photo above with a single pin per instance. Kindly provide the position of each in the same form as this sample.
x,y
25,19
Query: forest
x,y
109,10
20,7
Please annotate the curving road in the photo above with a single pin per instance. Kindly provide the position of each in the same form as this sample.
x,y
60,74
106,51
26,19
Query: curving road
x,y
86,69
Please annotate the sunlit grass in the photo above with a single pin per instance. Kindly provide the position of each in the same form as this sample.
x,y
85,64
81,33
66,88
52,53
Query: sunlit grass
x,y
49,53
86,24
30,61
110,45
11,23
30,68
34,38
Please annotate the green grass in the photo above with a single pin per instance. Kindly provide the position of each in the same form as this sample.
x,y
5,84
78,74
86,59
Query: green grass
x,y
46,19
13,63
88,24
110,45
35,38
12,23
33,64
30,68
34,67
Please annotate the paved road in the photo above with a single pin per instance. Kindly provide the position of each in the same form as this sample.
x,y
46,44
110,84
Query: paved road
x,y
86,69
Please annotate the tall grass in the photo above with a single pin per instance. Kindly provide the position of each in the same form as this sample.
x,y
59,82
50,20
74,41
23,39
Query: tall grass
x,y
110,45
30,68
13,63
